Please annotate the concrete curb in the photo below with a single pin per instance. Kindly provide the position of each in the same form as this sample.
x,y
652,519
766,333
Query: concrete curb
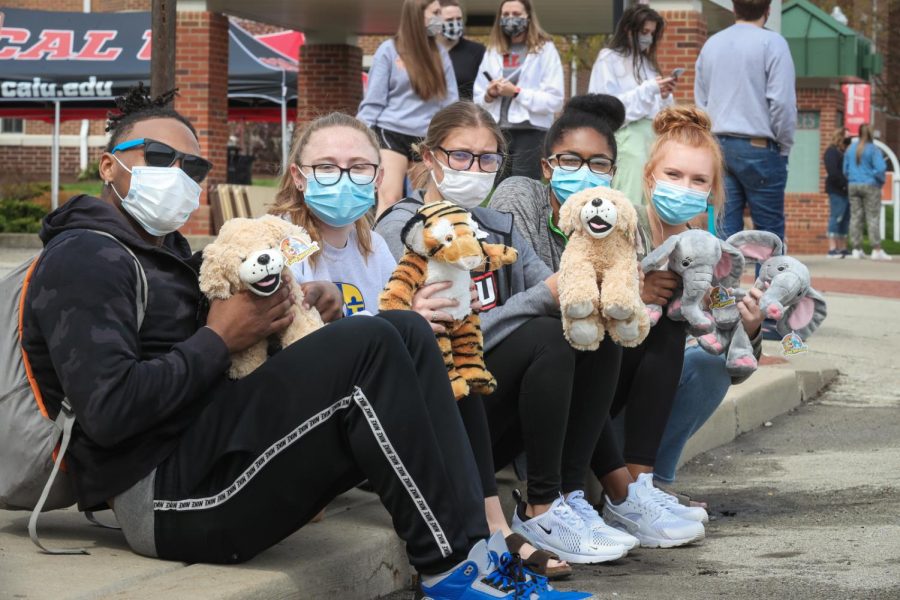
x,y
30,241
353,554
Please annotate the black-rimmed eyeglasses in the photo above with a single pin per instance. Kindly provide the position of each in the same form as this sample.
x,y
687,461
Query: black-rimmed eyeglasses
x,y
462,160
572,162
330,174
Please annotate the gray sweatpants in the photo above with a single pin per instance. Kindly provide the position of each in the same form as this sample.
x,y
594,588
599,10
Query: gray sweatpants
x,y
865,203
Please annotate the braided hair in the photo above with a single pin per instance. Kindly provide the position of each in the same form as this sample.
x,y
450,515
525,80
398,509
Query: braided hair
x,y
138,105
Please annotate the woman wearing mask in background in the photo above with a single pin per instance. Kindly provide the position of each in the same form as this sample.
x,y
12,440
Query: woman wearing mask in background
x,y
551,400
520,82
627,69
836,188
864,167
465,54
411,78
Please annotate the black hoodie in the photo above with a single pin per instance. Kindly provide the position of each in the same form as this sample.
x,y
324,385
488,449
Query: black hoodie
x,y
133,391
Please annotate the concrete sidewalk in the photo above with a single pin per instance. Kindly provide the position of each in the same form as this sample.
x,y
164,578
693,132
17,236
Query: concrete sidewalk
x,y
354,553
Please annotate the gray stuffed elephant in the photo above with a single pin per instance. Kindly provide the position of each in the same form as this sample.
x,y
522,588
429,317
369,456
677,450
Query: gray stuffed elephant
x,y
788,298
703,261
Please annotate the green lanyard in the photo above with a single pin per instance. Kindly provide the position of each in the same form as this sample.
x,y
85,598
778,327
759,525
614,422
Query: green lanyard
x,y
556,229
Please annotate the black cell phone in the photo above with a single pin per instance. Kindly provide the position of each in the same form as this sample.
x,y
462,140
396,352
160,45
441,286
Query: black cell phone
x,y
488,75
676,73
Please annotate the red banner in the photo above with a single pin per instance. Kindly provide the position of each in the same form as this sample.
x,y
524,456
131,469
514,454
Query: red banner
x,y
857,105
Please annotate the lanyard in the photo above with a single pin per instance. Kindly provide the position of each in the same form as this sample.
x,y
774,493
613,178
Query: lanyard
x,y
556,229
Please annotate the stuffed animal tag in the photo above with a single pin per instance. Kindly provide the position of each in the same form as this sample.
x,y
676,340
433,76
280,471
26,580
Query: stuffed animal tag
x,y
792,344
295,250
720,298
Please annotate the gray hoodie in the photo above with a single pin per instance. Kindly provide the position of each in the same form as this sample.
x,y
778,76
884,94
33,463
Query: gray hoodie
x,y
510,296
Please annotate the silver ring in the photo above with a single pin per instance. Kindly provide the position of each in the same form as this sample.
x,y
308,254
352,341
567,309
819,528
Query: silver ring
x,y
433,315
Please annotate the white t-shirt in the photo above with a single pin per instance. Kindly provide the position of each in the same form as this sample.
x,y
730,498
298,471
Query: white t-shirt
x,y
360,280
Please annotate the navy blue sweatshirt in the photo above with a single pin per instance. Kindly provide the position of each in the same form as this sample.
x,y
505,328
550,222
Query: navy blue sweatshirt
x,y
133,391
835,180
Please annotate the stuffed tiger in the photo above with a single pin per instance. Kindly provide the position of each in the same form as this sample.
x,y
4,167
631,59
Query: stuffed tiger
x,y
443,243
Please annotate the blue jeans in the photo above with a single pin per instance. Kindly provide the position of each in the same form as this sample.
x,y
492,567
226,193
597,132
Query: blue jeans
x,y
839,218
754,176
704,383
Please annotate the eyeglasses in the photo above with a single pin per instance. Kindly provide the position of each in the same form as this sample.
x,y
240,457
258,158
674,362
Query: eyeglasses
x,y
329,174
572,162
158,154
462,160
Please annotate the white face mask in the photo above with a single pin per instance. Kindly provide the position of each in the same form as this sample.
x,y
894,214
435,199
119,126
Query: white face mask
x,y
160,199
467,189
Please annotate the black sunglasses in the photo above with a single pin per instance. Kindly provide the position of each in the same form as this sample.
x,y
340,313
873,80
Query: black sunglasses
x,y
158,154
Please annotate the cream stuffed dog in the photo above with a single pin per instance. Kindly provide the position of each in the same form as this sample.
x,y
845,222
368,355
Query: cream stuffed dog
x,y
598,272
254,254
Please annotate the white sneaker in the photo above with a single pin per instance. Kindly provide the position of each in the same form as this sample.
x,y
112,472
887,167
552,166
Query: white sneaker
x,y
561,531
599,527
645,517
691,513
857,254
880,254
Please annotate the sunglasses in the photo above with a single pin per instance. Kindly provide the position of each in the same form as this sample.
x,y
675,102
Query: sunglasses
x,y
158,154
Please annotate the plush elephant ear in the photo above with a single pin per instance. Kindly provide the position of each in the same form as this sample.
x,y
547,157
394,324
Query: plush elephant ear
x,y
730,267
659,258
804,316
757,246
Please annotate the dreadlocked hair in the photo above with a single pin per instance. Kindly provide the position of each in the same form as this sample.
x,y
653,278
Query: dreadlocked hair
x,y
138,105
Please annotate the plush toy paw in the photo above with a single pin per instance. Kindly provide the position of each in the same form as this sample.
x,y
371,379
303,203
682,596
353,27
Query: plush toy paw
x,y
618,312
627,331
741,366
584,333
711,343
654,313
483,386
460,388
579,310
673,309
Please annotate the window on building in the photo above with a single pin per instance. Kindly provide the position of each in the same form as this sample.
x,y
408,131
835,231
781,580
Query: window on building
x,y
11,125
806,158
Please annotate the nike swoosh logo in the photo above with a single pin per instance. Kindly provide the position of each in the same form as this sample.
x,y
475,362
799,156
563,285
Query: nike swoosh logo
x,y
547,531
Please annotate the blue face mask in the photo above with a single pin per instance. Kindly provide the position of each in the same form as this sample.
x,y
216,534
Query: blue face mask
x,y
675,204
339,204
565,183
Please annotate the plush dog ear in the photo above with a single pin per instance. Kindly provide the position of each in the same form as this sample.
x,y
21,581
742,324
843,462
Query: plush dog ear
x,y
804,316
659,258
570,214
413,235
757,246
219,276
730,267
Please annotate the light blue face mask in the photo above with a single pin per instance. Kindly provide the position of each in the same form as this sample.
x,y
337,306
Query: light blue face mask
x,y
565,183
339,204
677,205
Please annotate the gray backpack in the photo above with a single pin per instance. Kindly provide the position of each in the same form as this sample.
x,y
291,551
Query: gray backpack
x,y
32,445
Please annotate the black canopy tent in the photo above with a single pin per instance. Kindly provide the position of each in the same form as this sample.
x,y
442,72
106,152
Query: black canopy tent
x,y
57,66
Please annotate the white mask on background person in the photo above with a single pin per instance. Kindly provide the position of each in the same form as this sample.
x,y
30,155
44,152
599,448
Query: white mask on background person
x,y
160,199
467,189
434,27
645,41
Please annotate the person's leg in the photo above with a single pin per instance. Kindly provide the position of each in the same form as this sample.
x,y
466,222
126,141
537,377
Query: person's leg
x,y
529,149
390,191
735,197
704,383
872,207
835,211
270,450
843,225
764,176
857,213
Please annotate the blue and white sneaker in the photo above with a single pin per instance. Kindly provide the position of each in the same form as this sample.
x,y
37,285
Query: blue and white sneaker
x,y
490,572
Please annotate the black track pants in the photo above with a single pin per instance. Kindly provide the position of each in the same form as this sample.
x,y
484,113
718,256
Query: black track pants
x,y
551,400
648,381
362,398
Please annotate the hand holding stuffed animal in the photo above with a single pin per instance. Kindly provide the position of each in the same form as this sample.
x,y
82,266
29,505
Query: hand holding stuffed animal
x,y
249,254
598,277
702,261
443,243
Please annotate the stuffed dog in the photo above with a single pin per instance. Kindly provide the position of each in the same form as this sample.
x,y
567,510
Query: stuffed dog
x,y
443,243
598,276
254,254
788,298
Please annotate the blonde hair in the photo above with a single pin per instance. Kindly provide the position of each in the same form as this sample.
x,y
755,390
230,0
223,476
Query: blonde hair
x,y
838,137
289,200
686,124
419,52
463,114
535,36
865,137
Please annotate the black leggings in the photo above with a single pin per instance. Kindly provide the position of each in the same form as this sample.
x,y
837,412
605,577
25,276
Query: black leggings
x,y
552,401
361,398
524,149
648,381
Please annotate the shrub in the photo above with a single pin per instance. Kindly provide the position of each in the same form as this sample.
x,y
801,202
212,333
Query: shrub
x,y
20,216
91,173
22,190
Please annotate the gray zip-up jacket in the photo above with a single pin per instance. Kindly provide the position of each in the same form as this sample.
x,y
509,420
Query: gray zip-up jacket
x,y
510,296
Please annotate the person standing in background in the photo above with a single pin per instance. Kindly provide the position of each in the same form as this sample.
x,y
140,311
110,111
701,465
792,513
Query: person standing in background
x,y
745,81
465,54
864,167
410,80
836,188
627,69
520,83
